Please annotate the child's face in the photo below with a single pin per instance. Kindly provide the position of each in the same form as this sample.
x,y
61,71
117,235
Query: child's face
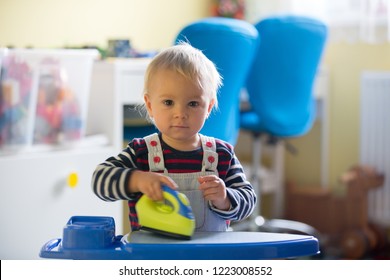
x,y
179,108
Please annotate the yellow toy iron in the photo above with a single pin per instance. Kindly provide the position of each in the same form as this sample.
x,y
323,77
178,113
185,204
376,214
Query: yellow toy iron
x,y
173,217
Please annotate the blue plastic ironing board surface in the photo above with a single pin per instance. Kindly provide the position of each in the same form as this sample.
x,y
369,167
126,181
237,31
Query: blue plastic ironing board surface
x,y
86,240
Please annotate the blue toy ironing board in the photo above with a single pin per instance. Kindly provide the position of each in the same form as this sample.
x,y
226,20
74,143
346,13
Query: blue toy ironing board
x,y
93,238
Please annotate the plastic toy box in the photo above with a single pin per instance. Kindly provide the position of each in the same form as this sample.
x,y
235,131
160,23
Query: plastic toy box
x,y
43,95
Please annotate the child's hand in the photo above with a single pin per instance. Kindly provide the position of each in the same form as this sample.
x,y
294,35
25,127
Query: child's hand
x,y
149,183
214,190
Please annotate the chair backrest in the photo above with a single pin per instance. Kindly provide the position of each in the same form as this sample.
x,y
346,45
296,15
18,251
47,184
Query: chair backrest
x,y
281,79
230,44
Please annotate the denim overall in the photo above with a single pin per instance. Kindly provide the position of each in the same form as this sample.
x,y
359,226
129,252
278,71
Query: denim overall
x,y
205,218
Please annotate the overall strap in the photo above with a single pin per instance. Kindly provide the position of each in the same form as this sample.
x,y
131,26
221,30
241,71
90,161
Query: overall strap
x,y
210,155
155,153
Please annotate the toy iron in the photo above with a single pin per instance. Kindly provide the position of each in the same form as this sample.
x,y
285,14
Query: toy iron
x,y
173,217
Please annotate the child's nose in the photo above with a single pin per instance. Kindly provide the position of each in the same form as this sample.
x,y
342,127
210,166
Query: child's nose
x,y
180,112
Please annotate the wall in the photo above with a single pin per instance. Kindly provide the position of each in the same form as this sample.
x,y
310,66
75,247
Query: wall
x,y
150,24
345,61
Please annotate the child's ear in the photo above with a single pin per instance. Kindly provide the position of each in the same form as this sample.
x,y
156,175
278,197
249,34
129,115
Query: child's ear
x,y
211,105
148,104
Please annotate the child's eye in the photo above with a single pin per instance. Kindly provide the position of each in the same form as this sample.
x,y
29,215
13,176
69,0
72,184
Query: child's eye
x,y
193,104
168,102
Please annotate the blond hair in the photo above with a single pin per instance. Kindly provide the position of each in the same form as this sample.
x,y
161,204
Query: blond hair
x,y
189,62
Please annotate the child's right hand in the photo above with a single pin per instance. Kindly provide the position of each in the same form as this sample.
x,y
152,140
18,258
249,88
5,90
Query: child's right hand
x,y
149,183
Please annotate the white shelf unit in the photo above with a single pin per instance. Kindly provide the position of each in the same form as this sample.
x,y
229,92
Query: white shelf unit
x,y
116,83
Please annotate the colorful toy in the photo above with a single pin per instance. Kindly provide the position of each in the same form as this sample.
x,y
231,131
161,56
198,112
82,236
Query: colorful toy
x,y
58,117
173,217
15,100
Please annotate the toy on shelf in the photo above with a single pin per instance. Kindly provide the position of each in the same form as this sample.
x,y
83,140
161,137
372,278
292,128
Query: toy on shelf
x,y
343,218
58,116
15,100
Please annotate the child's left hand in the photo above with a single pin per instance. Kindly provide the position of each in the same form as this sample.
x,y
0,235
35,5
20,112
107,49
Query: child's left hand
x,y
214,190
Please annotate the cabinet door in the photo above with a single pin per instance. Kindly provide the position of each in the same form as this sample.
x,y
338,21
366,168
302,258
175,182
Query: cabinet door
x,y
36,199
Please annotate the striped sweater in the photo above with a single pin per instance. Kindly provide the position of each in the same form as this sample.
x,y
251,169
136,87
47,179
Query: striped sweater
x,y
111,178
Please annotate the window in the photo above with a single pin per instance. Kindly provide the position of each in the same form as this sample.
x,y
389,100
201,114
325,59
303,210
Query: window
x,y
349,20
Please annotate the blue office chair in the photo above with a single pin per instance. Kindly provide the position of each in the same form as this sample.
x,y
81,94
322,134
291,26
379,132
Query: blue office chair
x,y
231,45
280,82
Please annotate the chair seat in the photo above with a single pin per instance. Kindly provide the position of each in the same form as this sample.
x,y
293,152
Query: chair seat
x,y
249,120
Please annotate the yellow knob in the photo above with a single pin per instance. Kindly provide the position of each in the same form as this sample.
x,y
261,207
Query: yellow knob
x,y
73,179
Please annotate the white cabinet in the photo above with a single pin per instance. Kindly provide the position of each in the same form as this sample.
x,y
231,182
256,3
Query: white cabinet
x,y
36,199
